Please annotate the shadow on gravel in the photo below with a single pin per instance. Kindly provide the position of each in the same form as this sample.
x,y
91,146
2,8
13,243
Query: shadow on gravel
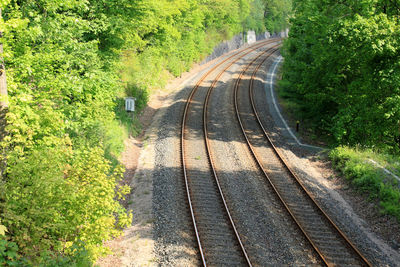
x,y
173,229
268,234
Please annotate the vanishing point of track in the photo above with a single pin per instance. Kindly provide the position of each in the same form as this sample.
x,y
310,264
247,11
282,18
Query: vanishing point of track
x,y
218,240
330,243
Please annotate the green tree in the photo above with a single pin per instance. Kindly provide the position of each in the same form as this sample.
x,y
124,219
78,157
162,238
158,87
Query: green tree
x,y
277,14
342,65
62,89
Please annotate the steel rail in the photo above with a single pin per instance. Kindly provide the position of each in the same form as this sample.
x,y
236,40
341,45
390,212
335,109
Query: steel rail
x,y
210,156
297,179
184,119
283,161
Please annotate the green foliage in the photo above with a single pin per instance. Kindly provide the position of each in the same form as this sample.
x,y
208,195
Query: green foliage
x,y
69,66
255,21
8,253
368,178
3,229
60,190
9,256
342,64
171,35
277,14
72,198
80,258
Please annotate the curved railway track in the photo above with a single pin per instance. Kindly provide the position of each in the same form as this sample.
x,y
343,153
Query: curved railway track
x,y
330,243
218,240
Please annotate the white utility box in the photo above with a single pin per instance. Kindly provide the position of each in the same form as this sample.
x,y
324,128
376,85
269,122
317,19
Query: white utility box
x,y
251,37
130,104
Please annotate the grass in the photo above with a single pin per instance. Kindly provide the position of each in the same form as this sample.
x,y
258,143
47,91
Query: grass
x,y
370,179
128,121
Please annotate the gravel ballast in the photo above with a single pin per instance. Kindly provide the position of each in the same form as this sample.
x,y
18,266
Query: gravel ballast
x,y
268,233
173,231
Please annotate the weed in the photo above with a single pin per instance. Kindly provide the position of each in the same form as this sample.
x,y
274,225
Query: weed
x,y
367,177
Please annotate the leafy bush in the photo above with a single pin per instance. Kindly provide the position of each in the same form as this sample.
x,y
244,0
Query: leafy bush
x,y
71,199
8,253
9,256
60,189
367,178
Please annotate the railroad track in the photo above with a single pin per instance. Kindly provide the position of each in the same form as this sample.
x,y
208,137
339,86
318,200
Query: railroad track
x,y
331,244
218,240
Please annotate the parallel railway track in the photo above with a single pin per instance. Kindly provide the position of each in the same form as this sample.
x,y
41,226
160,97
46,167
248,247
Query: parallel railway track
x,y
218,240
332,245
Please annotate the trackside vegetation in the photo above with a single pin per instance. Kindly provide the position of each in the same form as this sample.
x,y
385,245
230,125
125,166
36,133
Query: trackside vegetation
x,y
341,76
69,65
356,165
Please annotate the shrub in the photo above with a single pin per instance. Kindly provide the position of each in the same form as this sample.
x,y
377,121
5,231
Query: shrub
x,y
8,253
56,198
367,178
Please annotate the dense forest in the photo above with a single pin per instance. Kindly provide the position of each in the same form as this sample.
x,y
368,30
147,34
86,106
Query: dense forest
x,y
342,66
69,65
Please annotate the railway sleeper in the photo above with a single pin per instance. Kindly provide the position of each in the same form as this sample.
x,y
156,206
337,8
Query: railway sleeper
x,y
212,202
303,212
291,193
308,214
215,227
320,233
228,251
339,255
209,217
209,213
233,254
226,262
344,261
219,241
324,242
204,188
311,223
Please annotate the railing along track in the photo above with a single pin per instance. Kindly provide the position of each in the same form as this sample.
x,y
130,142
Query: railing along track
x,y
190,194
323,234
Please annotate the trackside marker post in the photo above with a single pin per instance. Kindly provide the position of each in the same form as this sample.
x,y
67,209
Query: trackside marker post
x,y
130,105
